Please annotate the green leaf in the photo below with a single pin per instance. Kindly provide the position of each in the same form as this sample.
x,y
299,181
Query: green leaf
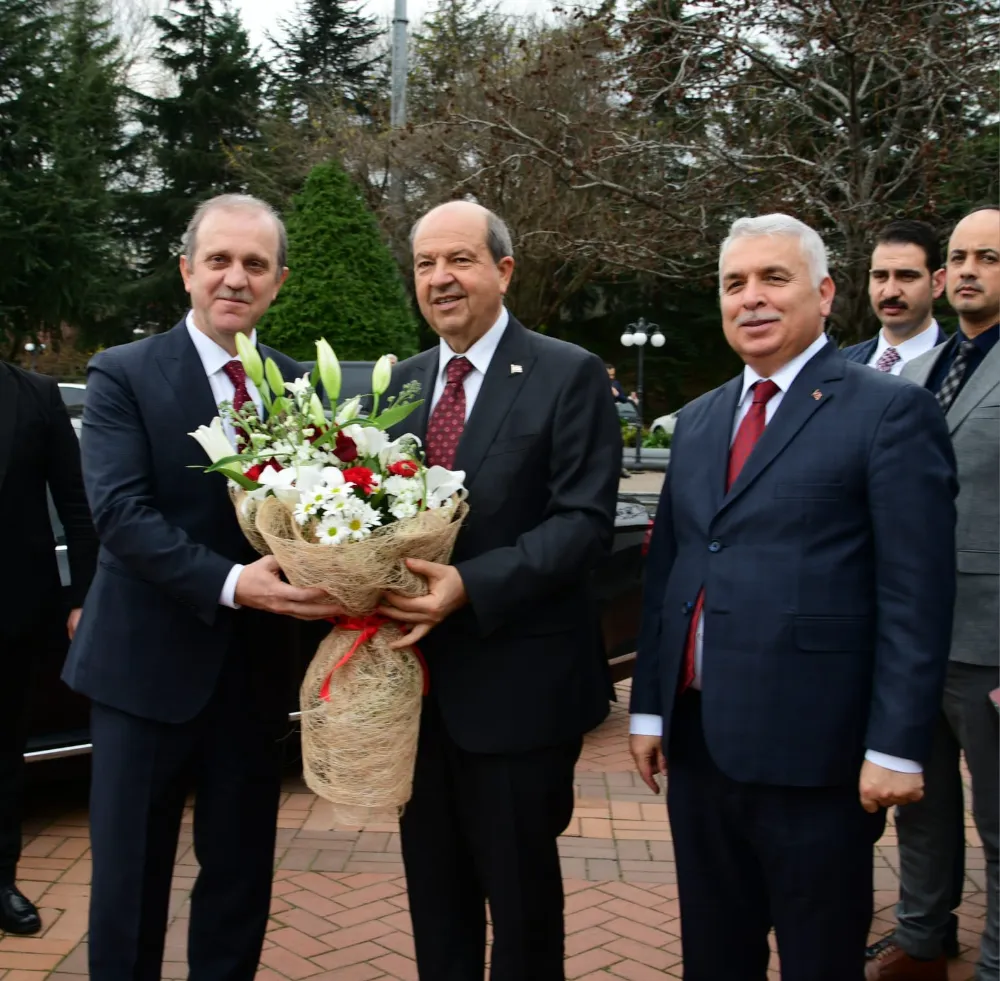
x,y
393,415
237,478
222,463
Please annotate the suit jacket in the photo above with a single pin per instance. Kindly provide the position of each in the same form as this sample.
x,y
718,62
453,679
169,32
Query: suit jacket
x,y
862,353
153,636
974,424
37,448
828,576
522,666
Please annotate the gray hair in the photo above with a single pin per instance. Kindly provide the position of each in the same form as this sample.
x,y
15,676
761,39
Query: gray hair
x,y
813,249
235,202
498,239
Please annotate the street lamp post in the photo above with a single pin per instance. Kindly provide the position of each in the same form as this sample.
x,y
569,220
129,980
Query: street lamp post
x,y
33,350
637,335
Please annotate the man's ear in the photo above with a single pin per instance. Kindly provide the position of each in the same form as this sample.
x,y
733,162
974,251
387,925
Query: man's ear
x,y
937,282
827,291
506,267
185,273
280,282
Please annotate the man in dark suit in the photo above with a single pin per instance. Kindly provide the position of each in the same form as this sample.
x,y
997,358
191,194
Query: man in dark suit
x,y
904,280
515,656
179,649
964,376
38,448
795,623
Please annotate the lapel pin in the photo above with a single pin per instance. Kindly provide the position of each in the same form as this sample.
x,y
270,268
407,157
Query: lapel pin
x,y
516,369
817,394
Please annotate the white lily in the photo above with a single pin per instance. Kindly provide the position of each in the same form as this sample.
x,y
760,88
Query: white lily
x,y
281,483
299,386
348,411
403,448
369,440
381,375
443,484
213,440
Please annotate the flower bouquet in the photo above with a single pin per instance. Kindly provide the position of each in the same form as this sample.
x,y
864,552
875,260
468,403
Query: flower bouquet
x,y
340,506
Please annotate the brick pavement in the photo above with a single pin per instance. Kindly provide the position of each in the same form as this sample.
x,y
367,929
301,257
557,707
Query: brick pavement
x,y
340,911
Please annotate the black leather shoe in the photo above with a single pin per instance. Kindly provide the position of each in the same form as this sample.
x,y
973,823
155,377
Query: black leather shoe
x,y
17,913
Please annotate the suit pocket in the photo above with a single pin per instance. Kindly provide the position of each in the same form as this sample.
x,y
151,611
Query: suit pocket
x,y
511,444
814,492
978,562
834,633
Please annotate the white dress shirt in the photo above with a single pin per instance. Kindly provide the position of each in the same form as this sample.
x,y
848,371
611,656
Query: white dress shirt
x,y
912,348
479,356
213,360
652,725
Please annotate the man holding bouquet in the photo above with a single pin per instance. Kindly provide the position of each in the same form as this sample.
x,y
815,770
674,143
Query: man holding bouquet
x,y
179,647
510,634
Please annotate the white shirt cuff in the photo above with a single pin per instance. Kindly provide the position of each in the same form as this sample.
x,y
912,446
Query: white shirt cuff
x,y
893,762
228,596
645,725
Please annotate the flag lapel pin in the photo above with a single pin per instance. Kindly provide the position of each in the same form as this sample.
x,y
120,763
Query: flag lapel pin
x,y
817,394
516,369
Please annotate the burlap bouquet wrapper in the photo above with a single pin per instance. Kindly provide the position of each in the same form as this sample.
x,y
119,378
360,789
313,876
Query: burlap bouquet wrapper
x,y
246,514
359,742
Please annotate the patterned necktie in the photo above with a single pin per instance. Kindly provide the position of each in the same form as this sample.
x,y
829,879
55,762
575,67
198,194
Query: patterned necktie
x,y
888,358
444,428
956,375
751,428
237,374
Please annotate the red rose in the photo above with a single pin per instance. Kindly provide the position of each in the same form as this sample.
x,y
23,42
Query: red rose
x,y
258,468
316,434
361,477
345,448
404,468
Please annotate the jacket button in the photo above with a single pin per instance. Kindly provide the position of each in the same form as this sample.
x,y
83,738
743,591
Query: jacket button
x,y
715,546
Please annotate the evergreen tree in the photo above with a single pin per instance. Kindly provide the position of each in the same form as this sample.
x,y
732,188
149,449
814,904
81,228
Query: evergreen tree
x,y
61,146
344,284
190,136
328,53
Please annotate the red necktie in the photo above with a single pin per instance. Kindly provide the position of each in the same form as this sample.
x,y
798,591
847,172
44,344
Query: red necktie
x,y
746,436
444,429
237,374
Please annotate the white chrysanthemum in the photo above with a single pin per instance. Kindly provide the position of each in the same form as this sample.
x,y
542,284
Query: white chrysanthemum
x,y
306,509
402,508
332,531
396,486
360,518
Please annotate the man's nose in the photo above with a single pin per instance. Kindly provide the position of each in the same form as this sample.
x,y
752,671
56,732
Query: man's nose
x,y
236,276
753,297
441,275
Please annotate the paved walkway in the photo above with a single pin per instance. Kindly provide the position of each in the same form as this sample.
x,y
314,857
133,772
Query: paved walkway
x,y
340,912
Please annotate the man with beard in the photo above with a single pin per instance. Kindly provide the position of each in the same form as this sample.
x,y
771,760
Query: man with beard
x,y
179,648
964,375
904,280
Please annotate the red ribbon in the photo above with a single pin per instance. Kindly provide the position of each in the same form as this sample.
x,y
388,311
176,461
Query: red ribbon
x,y
367,627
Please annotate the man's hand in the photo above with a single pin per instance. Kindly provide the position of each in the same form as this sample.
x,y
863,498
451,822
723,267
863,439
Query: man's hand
x,y
879,787
73,622
260,586
446,595
647,751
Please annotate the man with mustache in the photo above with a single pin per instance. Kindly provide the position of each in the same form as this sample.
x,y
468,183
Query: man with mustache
x,y
964,375
795,623
179,647
904,280
513,645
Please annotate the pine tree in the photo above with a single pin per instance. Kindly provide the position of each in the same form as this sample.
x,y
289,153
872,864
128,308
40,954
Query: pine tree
x,y
190,137
344,284
62,142
328,53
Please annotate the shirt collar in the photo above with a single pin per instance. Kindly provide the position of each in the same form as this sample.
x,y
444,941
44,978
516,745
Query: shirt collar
x,y
913,347
213,357
986,339
481,353
787,373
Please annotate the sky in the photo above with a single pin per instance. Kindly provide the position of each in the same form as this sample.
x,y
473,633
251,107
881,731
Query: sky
x,y
261,16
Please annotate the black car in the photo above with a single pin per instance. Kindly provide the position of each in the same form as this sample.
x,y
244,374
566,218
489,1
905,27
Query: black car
x,y
58,717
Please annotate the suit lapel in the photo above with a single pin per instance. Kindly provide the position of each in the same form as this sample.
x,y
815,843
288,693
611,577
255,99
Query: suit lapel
x,y
188,385
718,438
797,406
500,389
8,418
985,379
